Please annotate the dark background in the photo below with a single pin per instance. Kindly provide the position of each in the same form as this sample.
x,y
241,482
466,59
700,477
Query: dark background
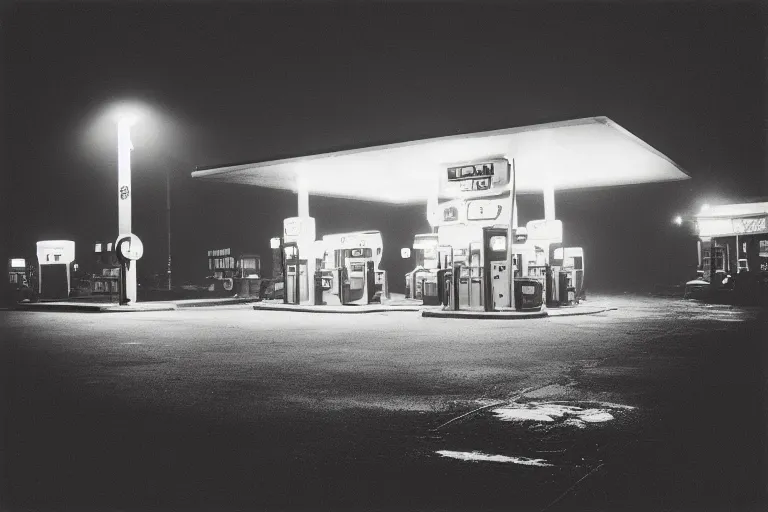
x,y
252,81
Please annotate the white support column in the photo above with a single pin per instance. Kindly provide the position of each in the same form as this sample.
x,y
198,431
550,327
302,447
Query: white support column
x,y
307,248
511,230
515,224
124,197
303,205
549,202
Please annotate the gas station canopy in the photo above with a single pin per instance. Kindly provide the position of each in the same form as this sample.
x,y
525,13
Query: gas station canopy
x,y
581,153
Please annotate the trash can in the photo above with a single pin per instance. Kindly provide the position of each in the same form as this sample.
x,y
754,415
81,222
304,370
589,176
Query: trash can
x,y
528,294
429,293
571,295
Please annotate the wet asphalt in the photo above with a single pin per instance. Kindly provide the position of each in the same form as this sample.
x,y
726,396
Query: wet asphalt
x,y
227,408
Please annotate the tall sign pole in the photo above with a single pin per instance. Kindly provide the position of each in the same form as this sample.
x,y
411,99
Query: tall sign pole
x,y
124,193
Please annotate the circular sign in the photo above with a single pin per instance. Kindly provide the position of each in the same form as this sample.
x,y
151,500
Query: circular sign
x,y
129,247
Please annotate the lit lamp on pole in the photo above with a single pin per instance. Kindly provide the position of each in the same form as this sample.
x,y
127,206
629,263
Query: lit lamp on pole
x,y
124,193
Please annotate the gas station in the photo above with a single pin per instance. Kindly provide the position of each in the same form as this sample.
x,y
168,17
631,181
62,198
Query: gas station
x,y
479,255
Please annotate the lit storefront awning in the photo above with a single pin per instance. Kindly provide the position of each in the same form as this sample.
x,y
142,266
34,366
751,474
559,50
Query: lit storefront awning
x,y
733,220
581,153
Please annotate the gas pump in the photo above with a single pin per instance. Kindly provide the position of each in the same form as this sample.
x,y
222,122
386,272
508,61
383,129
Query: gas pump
x,y
566,275
554,285
496,269
296,277
352,260
19,280
573,263
476,273
357,267
426,263
299,260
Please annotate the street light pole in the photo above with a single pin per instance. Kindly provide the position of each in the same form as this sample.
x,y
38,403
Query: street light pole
x,y
124,191
168,215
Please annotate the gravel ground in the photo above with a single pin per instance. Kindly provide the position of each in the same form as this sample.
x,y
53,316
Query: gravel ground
x,y
658,405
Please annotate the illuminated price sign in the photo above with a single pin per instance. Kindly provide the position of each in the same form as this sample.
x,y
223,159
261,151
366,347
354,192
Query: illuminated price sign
x,y
466,172
474,179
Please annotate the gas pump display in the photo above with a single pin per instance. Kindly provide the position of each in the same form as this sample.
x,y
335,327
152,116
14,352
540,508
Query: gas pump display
x,y
498,273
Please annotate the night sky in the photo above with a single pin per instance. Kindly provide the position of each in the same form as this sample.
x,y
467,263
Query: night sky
x,y
257,81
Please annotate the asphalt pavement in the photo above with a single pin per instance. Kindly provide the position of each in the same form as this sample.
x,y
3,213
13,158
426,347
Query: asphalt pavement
x,y
657,405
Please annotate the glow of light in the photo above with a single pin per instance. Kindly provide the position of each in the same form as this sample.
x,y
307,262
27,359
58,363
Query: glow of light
x,y
274,243
18,262
678,220
704,207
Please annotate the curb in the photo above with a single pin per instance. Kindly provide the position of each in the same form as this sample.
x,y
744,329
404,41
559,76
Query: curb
x,y
353,310
582,313
483,315
500,315
213,302
92,308
115,308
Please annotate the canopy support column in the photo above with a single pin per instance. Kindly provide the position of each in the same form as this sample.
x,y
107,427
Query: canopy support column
x,y
549,202
303,205
307,248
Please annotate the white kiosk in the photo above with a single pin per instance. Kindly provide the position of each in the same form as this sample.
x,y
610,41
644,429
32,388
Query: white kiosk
x,y
54,258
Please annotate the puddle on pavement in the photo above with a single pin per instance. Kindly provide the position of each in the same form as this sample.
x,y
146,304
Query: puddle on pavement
x,y
482,457
571,433
553,411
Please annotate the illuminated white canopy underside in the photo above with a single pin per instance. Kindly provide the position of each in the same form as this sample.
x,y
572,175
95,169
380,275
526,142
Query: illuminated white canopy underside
x,y
734,210
581,153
